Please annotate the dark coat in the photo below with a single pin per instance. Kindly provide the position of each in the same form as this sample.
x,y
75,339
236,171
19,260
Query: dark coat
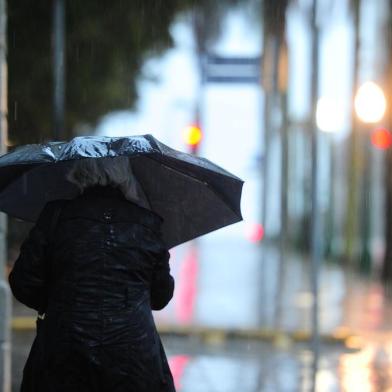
x,y
96,276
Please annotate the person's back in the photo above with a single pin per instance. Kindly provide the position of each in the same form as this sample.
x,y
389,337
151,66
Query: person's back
x,y
107,268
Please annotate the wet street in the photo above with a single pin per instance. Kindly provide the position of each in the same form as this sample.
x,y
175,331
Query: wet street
x,y
238,288
256,366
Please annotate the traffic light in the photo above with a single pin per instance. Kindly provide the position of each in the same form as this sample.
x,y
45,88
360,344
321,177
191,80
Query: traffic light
x,y
192,136
381,138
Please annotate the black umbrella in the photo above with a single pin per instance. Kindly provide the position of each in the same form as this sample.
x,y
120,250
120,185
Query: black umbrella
x,y
193,195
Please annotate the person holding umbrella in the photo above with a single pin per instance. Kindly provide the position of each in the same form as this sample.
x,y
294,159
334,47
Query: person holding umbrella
x,y
108,269
107,210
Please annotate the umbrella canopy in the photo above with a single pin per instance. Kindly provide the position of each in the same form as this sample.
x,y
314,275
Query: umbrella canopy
x,y
192,195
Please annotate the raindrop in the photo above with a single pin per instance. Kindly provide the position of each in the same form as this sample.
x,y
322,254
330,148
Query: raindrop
x,y
15,110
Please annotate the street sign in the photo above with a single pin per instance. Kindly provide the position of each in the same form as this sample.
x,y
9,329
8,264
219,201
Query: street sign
x,y
218,69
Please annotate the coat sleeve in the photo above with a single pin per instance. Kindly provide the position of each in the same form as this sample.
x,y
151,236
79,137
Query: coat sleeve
x,y
162,283
28,276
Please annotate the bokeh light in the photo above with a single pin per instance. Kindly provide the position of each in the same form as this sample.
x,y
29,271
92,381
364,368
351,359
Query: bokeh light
x,y
370,103
329,115
381,138
192,135
255,232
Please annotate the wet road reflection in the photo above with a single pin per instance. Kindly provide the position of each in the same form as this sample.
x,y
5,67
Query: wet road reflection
x,y
256,366
268,369
178,364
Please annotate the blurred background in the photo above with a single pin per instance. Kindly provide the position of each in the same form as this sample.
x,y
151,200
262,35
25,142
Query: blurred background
x,y
292,96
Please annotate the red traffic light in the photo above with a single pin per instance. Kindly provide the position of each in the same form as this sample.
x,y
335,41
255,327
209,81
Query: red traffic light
x,y
255,232
381,138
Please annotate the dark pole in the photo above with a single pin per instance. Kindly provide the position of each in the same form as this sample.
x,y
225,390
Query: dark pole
x,y
284,140
315,221
365,261
330,220
198,33
58,68
274,83
269,64
355,152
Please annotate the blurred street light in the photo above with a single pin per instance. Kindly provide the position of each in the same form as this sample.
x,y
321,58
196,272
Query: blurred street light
x,y
192,136
329,115
370,103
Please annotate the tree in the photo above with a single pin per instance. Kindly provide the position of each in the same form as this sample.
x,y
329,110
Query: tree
x,y
106,44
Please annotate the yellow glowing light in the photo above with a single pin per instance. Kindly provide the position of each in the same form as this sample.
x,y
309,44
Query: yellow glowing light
x,y
354,342
370,103
192,135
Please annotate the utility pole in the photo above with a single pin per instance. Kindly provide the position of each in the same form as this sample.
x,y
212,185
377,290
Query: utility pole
x,y
58,69
284,140
315,220
274,82
5,297
355,148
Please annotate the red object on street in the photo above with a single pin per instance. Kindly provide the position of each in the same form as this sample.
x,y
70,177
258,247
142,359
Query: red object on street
x,y
178,364
381,138
186,289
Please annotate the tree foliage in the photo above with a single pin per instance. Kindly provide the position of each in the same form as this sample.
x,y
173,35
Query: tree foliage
x,y
107,43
